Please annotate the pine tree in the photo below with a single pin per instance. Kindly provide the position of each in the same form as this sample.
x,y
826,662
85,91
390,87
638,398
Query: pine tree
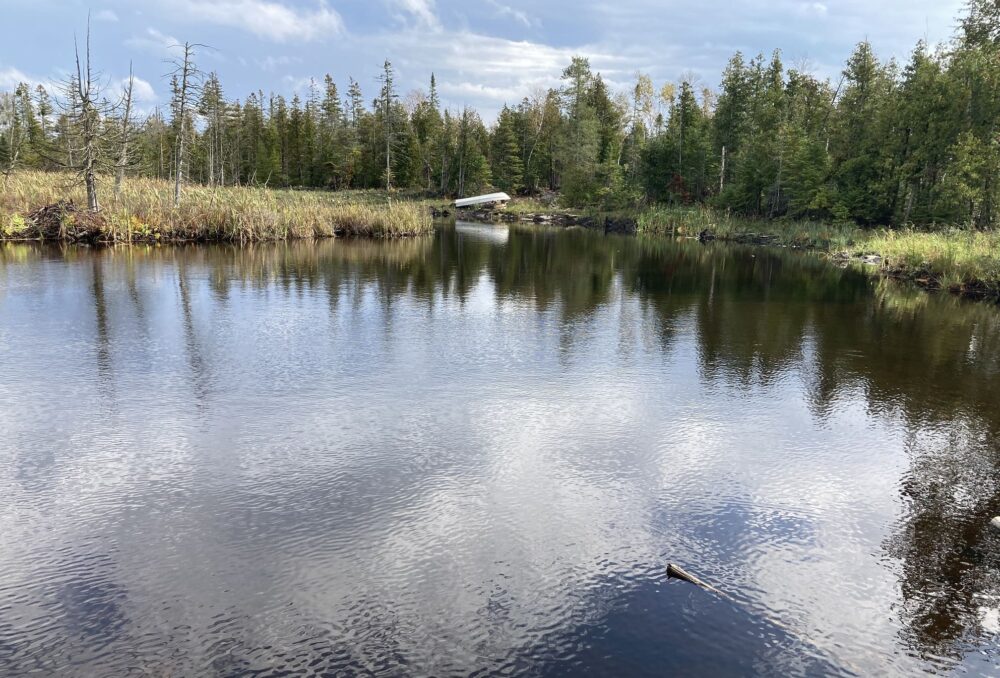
x,y
333,112
435,103
427,128
732,116
581,143
356,105
387,98
508,170
858,146
211,107
472,166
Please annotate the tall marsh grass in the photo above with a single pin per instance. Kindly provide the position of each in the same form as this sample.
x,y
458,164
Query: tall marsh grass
x,y
144,211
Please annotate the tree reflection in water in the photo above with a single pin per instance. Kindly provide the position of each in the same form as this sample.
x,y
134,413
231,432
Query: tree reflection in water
x,y
932,363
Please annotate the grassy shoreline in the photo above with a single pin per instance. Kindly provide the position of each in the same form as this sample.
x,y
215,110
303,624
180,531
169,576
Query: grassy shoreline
x,y
45,206
965,262
962,261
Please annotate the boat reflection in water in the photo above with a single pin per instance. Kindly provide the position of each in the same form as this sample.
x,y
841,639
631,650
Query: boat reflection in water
x,y
494,233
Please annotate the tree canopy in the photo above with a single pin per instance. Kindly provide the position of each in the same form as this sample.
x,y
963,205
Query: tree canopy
x,y
879,144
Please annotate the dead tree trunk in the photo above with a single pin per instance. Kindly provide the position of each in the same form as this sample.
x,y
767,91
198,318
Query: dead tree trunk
x,y
187,73
89,120
722,171
126,121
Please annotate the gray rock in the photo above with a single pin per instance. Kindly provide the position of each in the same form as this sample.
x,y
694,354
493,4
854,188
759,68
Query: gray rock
x,y
995,523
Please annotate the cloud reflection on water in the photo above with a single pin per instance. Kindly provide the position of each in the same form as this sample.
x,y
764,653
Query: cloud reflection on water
x,y
459,454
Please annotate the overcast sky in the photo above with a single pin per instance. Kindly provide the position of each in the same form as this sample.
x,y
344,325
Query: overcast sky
x,y
483,53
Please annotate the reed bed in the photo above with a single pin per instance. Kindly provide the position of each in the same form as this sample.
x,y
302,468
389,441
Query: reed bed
x,y
144,211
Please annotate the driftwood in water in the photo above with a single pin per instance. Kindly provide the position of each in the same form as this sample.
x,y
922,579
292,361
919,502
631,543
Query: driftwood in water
x,y
677,572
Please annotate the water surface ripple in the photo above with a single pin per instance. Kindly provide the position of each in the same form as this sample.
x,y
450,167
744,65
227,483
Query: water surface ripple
x,y
474,454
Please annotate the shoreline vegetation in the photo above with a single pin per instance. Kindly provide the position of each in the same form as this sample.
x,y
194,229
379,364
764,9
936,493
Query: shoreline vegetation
x,y
894,164
962,261
53,206
37,205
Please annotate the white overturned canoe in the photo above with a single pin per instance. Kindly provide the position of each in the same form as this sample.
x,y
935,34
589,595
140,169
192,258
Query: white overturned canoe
x,y
487,199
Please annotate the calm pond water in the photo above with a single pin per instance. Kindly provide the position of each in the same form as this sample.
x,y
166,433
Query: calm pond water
x,y
475,453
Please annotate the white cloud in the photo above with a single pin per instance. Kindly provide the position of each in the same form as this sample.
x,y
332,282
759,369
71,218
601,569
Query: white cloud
x,y
144,97
486,71
266,18
153,41
473,90
11,77
812,9
142,91
299,84
106,15
478,51
421,10
516,14
271,63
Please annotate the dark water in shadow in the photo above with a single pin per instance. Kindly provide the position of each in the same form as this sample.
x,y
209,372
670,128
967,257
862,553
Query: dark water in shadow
x,y
474,454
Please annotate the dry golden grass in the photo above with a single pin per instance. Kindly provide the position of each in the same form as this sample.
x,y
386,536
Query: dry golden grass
x,y
145,212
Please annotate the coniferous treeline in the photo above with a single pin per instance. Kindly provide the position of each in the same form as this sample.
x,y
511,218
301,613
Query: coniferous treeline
x,y
882,144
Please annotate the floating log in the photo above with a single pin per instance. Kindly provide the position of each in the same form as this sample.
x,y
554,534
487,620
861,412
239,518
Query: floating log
x,y
677,572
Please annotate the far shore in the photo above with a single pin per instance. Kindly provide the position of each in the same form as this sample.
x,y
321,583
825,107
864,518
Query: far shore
x,y
962,261
52,206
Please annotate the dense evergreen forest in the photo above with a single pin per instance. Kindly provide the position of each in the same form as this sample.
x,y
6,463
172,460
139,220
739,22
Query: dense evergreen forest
x,y
882,144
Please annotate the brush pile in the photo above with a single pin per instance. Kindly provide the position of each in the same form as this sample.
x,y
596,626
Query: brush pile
x,y
63,220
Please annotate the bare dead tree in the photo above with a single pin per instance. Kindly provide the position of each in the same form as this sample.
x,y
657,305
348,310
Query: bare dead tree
x,y
13,130
87,122
88,119
188,78
123,157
